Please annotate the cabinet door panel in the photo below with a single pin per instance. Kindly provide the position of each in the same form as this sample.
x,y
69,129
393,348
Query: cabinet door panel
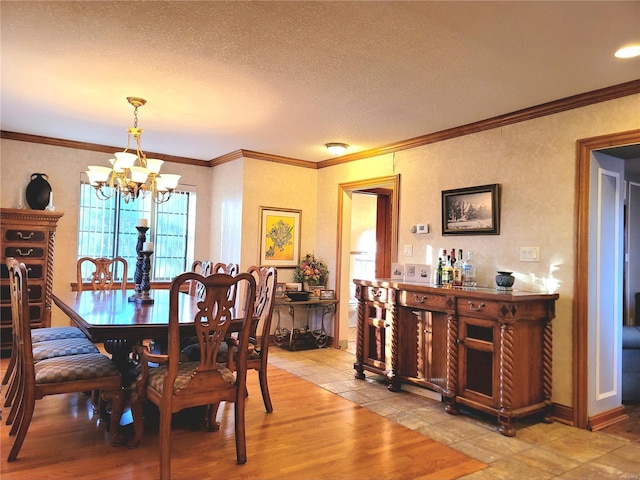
x,y
478,361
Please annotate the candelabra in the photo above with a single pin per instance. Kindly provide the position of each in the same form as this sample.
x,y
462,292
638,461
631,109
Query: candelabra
x,y
137,278
145,285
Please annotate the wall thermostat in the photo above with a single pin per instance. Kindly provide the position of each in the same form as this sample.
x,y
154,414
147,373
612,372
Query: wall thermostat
x,y
422,228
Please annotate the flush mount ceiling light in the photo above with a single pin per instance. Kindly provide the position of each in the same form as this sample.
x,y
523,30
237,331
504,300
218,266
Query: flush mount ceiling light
x,y
629,51
133,173
336,148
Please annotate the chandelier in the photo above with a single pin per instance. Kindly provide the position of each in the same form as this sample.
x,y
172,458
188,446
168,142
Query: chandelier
x,y
132,174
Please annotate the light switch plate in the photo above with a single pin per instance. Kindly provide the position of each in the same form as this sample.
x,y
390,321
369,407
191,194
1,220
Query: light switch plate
x,y
408,250
529,254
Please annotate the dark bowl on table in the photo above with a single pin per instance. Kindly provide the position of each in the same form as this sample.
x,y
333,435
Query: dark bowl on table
x,y
298,296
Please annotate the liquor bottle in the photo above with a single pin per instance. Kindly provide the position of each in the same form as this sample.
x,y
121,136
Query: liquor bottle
x,y
469,271
439,272
447,272
457,270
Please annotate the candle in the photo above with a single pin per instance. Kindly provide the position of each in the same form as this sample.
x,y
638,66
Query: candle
x,y
51,198
143,222
147,247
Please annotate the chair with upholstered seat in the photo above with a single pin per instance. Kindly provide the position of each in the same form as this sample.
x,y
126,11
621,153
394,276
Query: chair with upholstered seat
x,y
101,272
257,356
63,374
175,385
42,335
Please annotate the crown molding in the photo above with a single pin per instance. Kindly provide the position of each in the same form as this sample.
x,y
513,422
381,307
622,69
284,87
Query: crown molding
x,y
94,147
542,110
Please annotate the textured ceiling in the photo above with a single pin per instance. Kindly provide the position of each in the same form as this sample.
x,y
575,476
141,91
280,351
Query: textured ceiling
x,y
284,78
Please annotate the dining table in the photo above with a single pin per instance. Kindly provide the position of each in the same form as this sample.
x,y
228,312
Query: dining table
x,y
110,318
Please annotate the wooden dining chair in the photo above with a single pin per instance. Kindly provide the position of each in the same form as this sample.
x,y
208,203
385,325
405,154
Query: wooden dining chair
x,y
257,355
47,342
230,269
66,374
101,272
41,335
174,385
201,267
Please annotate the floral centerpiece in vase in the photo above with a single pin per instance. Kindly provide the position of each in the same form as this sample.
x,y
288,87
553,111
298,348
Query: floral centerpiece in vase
x,y
311,272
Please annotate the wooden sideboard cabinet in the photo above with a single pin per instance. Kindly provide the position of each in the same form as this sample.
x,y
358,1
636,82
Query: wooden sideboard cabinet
x,y
29,236
480,348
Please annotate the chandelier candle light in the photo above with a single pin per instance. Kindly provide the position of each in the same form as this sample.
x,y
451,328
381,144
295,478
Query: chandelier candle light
x,y
133,173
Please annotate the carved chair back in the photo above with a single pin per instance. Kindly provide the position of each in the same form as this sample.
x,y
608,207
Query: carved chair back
x,y
102,272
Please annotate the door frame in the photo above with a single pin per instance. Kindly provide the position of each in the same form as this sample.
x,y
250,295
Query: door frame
x,y
580,325
391,187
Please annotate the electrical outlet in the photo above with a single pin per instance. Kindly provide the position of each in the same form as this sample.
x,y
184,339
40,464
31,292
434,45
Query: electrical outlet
x,y
529,254
408,250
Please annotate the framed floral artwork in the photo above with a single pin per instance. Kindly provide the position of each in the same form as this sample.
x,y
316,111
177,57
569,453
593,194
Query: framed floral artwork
x,y
279,237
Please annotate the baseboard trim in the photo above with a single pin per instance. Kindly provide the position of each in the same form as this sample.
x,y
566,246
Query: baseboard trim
x,y
563,414
604,419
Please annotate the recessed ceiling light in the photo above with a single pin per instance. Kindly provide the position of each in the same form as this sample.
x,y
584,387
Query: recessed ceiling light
x,y
628,52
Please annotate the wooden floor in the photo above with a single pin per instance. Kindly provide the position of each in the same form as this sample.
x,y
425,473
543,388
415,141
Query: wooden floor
x,y
628,428
312,434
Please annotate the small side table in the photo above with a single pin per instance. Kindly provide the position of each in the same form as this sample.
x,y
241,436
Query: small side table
x,y
302,335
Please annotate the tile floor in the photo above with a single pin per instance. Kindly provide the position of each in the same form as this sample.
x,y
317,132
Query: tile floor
x,y
538,451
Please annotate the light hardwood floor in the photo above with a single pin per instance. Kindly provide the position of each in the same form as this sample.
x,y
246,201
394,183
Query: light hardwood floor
x,y
312,434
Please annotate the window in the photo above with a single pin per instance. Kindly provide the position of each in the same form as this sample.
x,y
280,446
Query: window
x,y
107,228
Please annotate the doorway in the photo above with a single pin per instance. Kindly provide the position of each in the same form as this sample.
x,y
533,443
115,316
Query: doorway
x,y
625,146
385,191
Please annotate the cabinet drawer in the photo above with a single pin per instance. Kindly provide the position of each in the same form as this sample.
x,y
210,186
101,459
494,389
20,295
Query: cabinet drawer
x,y
34,270
377,294
20,252
475,307
35,293
421,300
35,313
25,235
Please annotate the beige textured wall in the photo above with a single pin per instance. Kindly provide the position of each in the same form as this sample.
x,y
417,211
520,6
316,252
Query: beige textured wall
x,y
268,184
225,213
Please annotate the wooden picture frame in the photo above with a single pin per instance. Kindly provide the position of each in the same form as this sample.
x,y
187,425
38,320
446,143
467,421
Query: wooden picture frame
x,y
471,211
327,295
280,237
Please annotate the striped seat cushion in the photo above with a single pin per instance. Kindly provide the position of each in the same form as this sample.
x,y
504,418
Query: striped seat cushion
x,y
55,333
75,367
65,346
185,372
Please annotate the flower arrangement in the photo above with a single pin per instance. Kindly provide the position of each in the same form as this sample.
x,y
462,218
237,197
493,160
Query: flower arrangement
x,y
311,270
